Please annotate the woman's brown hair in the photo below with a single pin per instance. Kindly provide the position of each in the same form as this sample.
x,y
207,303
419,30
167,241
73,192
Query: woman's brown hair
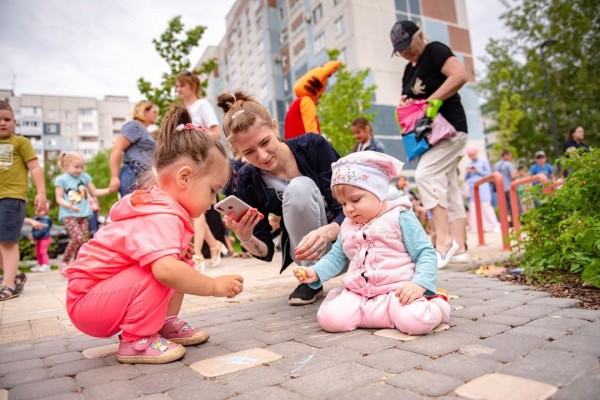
x,y
241,113
189,78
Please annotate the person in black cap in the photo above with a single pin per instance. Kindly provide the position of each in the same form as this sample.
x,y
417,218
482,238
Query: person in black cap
x,y
434,73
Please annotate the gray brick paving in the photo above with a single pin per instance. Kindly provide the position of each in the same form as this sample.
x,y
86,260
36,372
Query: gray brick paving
x,y
436,345
504,347
480,329
334,381
270,393
585,387
206,389
461,366
164,380
577,344
43,389
425,382
21,377
498,327
115,390
380,391
107,374
394,361
554,367
592,329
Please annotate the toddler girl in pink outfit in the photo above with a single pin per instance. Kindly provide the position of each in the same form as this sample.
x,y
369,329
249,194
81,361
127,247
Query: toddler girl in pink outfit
x,y
392,272
132,275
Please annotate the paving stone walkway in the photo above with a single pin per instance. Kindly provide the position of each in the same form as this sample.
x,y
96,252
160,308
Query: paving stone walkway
x,y
504,342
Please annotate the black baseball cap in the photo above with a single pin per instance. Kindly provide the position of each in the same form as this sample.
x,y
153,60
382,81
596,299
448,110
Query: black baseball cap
x,y
402,33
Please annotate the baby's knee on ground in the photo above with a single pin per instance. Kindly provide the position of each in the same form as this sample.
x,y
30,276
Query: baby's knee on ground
x,y
416,319
336,318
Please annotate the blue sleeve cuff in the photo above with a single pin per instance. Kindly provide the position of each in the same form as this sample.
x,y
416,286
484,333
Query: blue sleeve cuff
x,y
330,265
421,251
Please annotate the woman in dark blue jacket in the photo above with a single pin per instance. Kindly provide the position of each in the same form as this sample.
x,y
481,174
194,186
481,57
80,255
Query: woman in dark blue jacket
x,y
290,179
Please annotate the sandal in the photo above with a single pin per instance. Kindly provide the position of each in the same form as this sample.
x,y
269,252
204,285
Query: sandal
x,y
20,280
6,292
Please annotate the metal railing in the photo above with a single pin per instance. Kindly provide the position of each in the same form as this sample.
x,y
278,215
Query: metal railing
x,y
498,181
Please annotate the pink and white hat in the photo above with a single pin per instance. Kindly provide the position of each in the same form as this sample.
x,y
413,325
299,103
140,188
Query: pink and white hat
x,y
368,170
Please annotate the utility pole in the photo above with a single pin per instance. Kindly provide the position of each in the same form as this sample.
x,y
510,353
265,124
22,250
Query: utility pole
x,y
550,42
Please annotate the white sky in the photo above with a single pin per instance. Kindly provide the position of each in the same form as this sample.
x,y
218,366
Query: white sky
x,y
101,47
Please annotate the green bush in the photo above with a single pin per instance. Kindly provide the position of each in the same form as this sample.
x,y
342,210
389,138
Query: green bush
x,y
562,235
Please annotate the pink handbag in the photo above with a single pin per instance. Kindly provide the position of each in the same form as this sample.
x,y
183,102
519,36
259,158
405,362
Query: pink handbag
x,y
408,115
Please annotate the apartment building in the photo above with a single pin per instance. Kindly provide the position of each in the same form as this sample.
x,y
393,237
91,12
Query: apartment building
x,y
269,44
56,124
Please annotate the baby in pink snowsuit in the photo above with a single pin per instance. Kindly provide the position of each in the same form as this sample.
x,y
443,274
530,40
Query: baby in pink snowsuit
x,y
391,278
132,275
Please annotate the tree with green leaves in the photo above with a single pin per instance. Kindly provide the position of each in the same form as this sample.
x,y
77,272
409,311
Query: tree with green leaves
x,y
347,99
174,46
514,83
99,169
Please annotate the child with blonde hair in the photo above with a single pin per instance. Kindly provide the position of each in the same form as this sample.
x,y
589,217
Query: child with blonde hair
x,y
71,189
392,272
132,276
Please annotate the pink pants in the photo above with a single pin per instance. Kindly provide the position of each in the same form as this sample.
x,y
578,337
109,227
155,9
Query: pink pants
x,y
41,251
343,310
132,301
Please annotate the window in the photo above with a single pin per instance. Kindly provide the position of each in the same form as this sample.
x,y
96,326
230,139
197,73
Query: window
x,y
319,42
300,49
317,14
86,111
336,2
408,10
339,26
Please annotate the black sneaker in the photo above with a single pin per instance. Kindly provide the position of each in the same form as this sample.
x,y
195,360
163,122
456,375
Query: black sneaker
x,y
304,294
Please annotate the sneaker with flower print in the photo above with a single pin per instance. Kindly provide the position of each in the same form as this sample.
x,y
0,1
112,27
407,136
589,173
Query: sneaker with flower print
x,y
179,331
154,349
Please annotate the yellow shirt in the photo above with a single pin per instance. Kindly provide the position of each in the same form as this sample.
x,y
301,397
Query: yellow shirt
x,y
15,152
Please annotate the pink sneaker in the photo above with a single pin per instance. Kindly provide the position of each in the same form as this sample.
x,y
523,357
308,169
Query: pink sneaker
x,y
149,350
179,331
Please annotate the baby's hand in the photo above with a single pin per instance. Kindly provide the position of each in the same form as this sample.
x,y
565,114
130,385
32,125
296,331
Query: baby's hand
x,y
409,292
228,286
305,275
73,208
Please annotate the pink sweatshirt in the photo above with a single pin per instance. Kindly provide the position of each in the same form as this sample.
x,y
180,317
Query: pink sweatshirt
x,y
146,225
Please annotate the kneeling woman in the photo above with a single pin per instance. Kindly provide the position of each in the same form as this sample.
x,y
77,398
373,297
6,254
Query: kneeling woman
x,y
290,179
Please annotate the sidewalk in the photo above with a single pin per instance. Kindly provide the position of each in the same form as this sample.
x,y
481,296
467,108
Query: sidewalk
x,y
503,342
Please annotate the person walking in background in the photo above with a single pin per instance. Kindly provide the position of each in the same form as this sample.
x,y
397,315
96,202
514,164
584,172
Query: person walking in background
x,y
434,73
17,159
506,168
135,146
209,225
71,189
290,179
477,169
404,187
40,232
575,140
132,277
541,167
391,279
363,133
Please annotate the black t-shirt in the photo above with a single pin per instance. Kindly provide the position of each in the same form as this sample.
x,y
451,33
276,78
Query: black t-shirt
x,y
420,81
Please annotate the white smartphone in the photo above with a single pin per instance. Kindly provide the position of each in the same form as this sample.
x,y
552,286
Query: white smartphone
x,y
232,204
